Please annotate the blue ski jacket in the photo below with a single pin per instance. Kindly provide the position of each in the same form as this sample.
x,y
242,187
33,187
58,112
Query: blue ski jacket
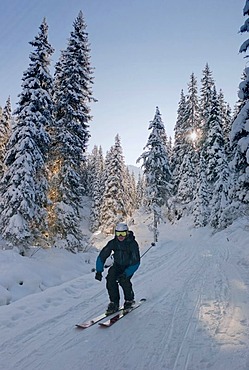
x,y
125,254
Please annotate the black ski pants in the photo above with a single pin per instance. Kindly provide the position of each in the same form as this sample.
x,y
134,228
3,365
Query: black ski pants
x,y
112,285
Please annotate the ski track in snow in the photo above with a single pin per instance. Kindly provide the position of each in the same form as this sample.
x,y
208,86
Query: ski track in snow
x,y
196,316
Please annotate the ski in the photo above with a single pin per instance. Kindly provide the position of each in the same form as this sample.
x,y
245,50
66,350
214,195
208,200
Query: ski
x,y
87,324
120,314
95,320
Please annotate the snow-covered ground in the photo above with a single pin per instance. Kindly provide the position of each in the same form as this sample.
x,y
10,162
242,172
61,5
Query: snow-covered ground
x,y
196,315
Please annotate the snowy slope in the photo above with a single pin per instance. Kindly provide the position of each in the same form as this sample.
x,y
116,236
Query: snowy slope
x,y
196,315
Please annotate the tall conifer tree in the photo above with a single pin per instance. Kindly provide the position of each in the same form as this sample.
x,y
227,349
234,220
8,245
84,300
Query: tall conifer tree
x,y
180,141
240,133
206,89
214,175
5,130
24,185
158,179
114,208
226,121
188,160
73,80
95,184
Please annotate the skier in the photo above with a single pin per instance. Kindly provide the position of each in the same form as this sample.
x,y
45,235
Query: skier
x,y
126,261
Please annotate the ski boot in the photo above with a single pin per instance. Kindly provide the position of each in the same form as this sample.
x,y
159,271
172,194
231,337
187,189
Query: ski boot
x,y
112,308
128,304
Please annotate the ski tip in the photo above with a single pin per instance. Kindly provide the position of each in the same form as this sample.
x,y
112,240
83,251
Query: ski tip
x,y
78,326
142,299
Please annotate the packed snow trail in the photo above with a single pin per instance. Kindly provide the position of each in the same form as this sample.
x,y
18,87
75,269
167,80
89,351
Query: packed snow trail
x,y
196,315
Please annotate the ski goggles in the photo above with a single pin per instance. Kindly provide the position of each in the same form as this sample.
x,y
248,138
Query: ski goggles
x,y
120,233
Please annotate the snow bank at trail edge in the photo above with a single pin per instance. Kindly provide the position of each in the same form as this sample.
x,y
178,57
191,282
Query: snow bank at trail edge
x,y
21,276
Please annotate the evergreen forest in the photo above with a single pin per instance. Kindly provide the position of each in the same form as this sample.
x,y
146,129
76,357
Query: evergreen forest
x,y
47,172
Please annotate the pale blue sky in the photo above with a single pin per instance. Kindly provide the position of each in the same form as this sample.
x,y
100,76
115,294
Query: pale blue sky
x,y
143,52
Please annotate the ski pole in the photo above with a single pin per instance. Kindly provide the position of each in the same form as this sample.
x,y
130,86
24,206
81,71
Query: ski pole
x,y
152,245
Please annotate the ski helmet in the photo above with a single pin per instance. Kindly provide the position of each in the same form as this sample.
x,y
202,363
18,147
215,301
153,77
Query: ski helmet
x,y
121,226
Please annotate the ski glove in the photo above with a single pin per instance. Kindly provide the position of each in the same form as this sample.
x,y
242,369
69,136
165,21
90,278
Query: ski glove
x,y
98,276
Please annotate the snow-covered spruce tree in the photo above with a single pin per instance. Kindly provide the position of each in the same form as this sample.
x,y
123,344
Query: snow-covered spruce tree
x,y
187,184
186,127
240,162
169,145
114,207
244,85
213,147
2,146
226,121
130,190
202,196
180,141
140,190
5,129
158,181
245,28
192,107
186,154
206,89
70,135
213,181
95,185
235,112
216,166
240,134
192,122
24,185
7,115
95,167
91,169
133,191
221,214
